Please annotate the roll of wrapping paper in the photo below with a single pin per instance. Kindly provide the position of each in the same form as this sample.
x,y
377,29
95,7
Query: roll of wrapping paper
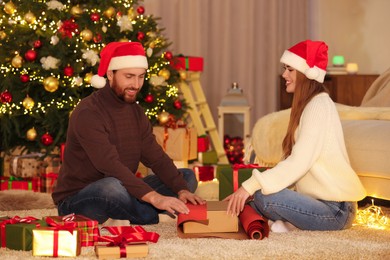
x,y
255,225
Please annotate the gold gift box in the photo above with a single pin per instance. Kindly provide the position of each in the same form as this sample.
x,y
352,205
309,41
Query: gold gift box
x,y
132,251
69,244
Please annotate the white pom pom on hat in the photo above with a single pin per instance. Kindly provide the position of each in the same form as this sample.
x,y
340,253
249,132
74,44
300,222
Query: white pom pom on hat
x,y
308,57
119,55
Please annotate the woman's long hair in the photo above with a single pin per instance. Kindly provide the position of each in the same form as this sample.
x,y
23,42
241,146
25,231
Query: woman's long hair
x,y
305,90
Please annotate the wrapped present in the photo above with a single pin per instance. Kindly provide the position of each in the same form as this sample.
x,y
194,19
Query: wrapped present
x,y
125,242
18,232
179,143
209,157
89,230
203,143
48,182
188,63
230,179
16,183
27,165
204,173
4,220
52,164
19,150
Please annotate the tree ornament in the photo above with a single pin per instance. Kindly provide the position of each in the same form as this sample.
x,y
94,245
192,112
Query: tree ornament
x,y
29,17
50,84
31,134
130,13
76,11
149,98
24,78
149,52
86,35
97,38
37,44
163,118
30,55
28,103
95,17
141,10
17,61
177,104
140,36
88,77
47,139
168,55
68,71
183,74
2,35
6,97
110,11
164,73
9,8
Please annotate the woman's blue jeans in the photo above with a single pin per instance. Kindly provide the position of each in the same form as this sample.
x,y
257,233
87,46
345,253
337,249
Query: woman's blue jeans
x,y
108,198
305,212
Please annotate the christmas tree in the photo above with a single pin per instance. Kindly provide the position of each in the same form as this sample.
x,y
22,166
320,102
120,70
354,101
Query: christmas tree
x,y
49,51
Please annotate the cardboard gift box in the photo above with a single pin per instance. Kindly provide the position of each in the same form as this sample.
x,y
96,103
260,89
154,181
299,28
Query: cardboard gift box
x,y
179,143
188,63
52,241
89,230
230,179
27,165
208,218
52,164
129,251
16,183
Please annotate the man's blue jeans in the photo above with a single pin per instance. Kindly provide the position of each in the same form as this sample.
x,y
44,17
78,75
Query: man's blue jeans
x,y
305,212
108,198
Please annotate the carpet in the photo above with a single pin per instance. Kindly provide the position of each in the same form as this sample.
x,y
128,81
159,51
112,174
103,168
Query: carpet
x,y
358,242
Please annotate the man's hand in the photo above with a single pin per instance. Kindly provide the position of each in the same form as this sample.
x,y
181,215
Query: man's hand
x,y
237,201
186,196
171,204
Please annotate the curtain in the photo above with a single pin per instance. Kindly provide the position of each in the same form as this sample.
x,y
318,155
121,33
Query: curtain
x,y
240,41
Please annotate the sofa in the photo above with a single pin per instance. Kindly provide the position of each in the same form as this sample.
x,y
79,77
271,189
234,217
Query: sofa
x,y
366,132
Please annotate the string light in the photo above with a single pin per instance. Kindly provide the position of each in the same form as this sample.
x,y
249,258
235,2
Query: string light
x,y
372,217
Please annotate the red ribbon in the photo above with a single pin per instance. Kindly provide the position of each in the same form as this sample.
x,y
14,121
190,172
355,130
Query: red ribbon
x,y
236,167
69,225
123,235
15,220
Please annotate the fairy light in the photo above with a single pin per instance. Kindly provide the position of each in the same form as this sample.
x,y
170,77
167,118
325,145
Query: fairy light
x,y
372,217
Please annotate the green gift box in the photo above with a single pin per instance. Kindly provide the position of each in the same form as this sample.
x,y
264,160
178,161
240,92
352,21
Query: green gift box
x,y
20,236
209,157
230,178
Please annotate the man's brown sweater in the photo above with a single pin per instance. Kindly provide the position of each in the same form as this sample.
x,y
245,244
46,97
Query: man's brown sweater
x,y
108,137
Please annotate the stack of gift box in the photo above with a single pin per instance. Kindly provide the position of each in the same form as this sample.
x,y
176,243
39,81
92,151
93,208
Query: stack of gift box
x,y
58,236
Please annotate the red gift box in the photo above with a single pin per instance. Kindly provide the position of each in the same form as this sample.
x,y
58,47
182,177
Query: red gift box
x,y
204,173
203,144
188,63
16,183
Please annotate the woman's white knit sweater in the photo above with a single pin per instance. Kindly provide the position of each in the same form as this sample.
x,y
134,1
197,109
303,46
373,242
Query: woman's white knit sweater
x,y
318,165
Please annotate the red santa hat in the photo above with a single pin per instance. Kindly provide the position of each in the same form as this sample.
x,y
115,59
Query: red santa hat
x,y
308,57
119,55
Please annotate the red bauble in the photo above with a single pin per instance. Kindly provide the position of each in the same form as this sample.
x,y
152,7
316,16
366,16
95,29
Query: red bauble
x,y
140,36
177,104
6,97
95,17
168,55
30,55
97,38
37,44
149,98
24,78
47,139
141,10
68,71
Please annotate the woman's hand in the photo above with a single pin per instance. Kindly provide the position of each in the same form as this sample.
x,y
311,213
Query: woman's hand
x,y
237,201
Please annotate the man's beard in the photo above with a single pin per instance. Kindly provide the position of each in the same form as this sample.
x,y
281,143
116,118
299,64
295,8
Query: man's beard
x,y
122,93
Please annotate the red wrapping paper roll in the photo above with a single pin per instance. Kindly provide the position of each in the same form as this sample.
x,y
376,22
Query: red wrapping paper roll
x,y
255,225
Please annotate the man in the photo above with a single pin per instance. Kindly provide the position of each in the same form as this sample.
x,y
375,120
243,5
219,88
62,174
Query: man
x,y
108,135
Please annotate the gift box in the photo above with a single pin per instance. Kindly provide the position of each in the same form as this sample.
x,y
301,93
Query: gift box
x,y
208,218
48,182
179,143
27,165
19,232
209,157
52,164
230,179
19,150
89,230
56,241
203,143
16,183
4,220
125,242
204,173
188,63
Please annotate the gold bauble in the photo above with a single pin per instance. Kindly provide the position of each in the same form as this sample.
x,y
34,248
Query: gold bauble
x,y
87,78
50,84
109,12
9,8
31,134
28,103
130,13
76,10
163,118
30,17
164,73
2,35
17,61
86,35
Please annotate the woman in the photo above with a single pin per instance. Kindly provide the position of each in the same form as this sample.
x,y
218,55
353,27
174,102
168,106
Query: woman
x,y
314,186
